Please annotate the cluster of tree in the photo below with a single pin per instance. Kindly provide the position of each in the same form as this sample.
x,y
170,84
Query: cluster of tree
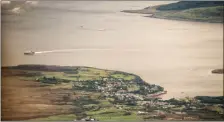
x,y
52,68
149,108
84,100
211,100
145,89
159,117
79,112
23,73
127,113
218,71
53,80
126,101
174,101
80,115
138,79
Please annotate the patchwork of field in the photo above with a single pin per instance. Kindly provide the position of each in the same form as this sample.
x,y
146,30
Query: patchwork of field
x,y
36,92
27,95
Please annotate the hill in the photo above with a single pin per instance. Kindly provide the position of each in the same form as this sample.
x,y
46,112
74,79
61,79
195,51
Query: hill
x,y
205,11
43,92
75,91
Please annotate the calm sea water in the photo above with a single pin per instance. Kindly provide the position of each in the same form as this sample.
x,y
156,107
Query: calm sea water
x,y
177,55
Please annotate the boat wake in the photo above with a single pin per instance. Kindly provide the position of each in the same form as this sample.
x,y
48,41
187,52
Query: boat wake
x,y
69,50
93,29
84,49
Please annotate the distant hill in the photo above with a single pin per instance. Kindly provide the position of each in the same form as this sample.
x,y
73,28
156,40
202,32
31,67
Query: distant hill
x,y
16,7
183,5
68,93
205,11
75,70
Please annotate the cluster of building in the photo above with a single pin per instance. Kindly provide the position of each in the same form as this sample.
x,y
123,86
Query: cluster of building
x,y
119,88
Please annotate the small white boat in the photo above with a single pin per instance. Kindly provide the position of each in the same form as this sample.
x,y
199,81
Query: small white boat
x,y
29,53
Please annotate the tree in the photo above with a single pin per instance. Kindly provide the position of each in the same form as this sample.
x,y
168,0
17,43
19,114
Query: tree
x,y
54,78
44,78
127,113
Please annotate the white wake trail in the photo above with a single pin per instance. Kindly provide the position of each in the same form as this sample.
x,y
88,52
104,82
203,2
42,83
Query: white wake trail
x,y
69,50
88,49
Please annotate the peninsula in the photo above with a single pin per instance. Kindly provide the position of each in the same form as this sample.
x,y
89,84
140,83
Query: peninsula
x,y
86,93
203,11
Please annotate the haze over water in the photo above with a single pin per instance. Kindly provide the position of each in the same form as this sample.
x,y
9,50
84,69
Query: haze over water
x,y
177,55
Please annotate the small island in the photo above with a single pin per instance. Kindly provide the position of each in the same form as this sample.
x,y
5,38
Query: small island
x,y
217,71
87,93
203,11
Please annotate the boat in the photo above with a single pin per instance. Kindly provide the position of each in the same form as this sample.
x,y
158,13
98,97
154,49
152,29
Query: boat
x,y
29,53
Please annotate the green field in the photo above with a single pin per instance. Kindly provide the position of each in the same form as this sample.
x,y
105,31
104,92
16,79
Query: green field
x,y
104,95
204,11
205,14
68,117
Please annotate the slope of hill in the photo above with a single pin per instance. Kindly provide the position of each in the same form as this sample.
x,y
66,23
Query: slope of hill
x,y
183,5
42,92
205,11
76,91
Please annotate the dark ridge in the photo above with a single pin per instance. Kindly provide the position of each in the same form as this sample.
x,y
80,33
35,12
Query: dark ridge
x,y
217,71
36,67
56,68
211,99
42,67
182,5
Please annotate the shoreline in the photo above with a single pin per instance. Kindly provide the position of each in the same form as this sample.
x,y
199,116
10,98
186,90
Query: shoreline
x,y
163,93
183,11
215,72
51,96
186,20
151,15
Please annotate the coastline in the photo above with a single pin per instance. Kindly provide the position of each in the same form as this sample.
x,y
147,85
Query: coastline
x,y
151,15
51,92
187,20
209,13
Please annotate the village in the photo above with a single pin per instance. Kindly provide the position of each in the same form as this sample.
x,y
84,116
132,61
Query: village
x,y
96,94
123,95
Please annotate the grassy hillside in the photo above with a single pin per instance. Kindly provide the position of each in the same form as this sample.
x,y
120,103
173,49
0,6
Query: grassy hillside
x,y
205,11
73,72
71,92
205,14
42,92
183,5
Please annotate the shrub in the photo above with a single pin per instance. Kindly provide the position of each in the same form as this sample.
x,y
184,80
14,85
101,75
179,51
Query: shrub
x,y
126,113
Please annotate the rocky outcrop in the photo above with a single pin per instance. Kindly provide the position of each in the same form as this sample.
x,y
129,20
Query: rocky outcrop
x,y
217,71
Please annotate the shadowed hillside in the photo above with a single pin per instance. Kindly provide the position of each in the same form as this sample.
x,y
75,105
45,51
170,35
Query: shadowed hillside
x,y
205,11
189,5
